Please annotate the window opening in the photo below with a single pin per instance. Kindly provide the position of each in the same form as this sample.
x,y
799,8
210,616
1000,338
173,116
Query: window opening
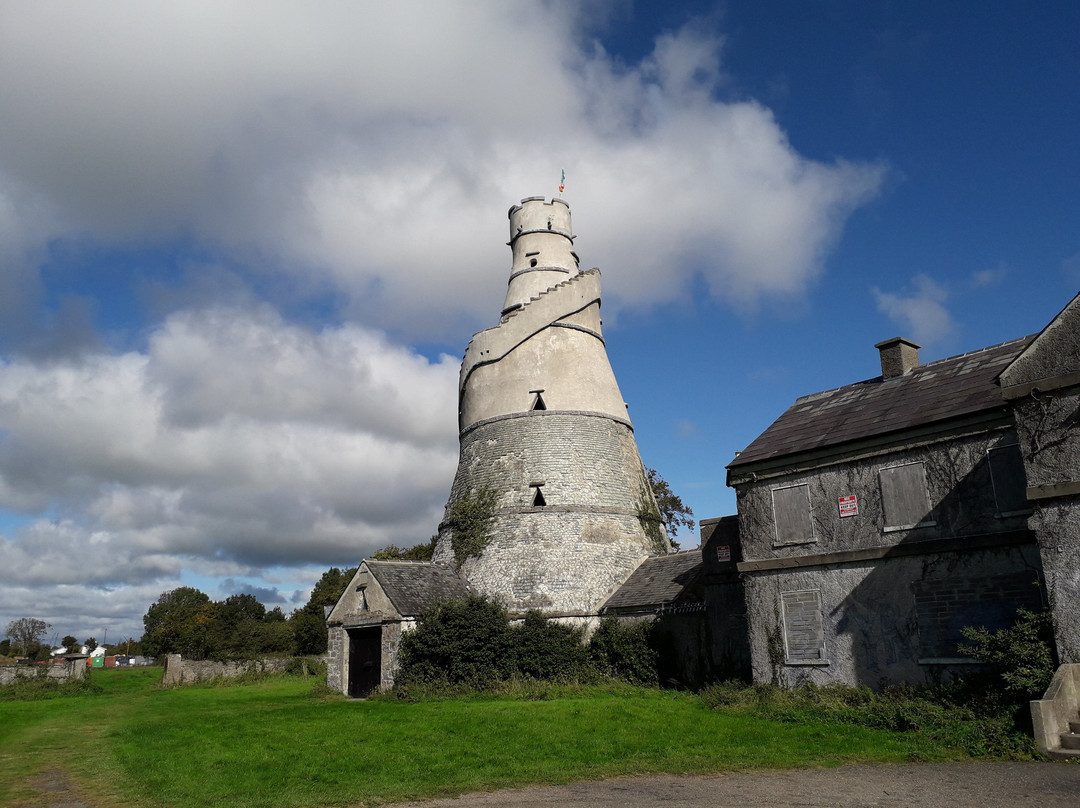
x,y
538,402
904,496
538,498
804,628
791,515
1010,482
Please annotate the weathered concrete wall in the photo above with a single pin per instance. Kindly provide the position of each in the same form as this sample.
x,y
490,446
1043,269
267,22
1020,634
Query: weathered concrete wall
x,y
890,621
555,345
881,604
179,671
960,492
1050,437
1043,385
70,670
337,659
567,556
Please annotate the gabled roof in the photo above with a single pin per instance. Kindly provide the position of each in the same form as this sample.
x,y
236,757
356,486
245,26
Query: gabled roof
x,y
659,580
413,586
934,392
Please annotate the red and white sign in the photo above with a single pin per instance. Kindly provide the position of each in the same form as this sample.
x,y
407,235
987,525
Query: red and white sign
x,y
849,506
723,552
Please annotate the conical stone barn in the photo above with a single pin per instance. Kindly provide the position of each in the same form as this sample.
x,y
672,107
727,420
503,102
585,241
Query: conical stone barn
x,y
551,508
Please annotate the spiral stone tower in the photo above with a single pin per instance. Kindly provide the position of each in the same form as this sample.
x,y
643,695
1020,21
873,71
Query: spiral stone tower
x,y
548,457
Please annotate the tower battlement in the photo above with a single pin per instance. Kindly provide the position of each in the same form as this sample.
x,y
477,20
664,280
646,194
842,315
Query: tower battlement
x,y
542,242
535,214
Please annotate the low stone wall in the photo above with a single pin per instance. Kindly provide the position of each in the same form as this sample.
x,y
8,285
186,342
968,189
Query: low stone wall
x,y
180,671
67,671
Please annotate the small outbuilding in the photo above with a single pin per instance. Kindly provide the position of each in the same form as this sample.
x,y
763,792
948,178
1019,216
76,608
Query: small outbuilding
x,y
382,600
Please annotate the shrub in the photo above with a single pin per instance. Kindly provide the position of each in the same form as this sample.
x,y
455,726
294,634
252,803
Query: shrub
x,y
624,650
461,641
547,650
1021,657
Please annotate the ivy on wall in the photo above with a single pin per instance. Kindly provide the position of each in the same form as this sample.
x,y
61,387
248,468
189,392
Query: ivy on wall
x,y
470,523
648,515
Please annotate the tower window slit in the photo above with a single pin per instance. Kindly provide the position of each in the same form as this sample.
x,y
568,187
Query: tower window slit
x,y
538,499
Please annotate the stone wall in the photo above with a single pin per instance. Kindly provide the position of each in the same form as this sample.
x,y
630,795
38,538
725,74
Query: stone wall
x,y
569,555
860,600
960,492
180,671
70,670
895,620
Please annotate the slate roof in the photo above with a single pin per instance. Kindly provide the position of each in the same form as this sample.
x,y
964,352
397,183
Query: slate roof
x,y
659,580
937,391
414,586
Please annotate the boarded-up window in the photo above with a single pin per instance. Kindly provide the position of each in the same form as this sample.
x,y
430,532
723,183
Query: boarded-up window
x,y
791,514
944,607
1010,483
804,631
904,497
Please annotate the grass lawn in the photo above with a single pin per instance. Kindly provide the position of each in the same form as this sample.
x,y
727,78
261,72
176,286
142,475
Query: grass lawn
x,y
277,743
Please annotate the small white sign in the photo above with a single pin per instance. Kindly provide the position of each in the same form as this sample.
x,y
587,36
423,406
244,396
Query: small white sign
x,y
723,552
849,506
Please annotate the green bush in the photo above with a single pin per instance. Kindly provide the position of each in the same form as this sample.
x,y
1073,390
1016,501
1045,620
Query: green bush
x,y
931,712
461,641
470,644
625,650
1021,657
547,650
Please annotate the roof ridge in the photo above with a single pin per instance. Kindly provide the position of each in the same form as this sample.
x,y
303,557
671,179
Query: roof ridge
x,y
916,369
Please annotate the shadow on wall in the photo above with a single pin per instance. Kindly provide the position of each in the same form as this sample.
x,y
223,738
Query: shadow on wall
x,y
968,561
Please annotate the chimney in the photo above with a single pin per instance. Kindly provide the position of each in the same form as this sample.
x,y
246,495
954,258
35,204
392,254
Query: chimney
x,y
898,356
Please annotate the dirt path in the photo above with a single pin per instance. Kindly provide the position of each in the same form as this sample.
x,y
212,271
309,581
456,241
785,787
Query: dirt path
x,y
920,785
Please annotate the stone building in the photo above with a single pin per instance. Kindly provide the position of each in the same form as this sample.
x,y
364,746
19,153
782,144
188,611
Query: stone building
x,y
548,465
879,518
383,599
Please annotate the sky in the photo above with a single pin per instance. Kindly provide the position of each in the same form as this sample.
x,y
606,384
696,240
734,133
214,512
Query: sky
x,y
243,246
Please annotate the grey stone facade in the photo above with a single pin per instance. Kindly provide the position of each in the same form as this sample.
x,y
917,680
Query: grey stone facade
x,y
879,519
567,556
1043,387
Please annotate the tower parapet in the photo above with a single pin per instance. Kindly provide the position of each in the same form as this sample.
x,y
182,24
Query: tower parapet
x,y
542,242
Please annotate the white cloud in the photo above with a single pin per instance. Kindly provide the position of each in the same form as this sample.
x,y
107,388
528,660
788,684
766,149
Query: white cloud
x,y
375,148
921,311
236,442
367,152
989,277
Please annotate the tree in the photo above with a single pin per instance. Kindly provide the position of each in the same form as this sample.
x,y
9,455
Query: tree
x,y
309,623
71,644
27,630
91,644
421,552
672,509
177,623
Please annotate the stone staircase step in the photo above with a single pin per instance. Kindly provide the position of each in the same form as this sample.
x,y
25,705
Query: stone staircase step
x,y
1070,740
1074,726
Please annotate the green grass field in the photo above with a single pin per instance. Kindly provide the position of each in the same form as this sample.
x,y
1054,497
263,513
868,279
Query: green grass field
x,y
278,742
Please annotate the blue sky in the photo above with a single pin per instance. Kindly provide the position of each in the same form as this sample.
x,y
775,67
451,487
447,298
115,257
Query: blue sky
x,y
243,247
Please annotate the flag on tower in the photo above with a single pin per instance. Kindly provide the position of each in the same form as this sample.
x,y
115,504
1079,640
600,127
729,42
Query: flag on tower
x,y
562,182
